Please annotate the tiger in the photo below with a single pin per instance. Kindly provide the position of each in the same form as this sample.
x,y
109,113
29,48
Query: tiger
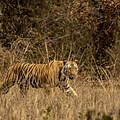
x,y
54,74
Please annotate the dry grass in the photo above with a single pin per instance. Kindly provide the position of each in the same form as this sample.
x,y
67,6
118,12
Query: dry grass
x,y
92,102
97,99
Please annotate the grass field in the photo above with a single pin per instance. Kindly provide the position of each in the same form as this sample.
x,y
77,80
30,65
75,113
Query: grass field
x,y
95,101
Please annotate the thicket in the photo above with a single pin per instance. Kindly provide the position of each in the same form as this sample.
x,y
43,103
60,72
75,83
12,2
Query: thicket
x,y
42,30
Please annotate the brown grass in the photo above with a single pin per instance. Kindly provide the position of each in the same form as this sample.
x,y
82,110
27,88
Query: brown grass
x,y
98,96
92,102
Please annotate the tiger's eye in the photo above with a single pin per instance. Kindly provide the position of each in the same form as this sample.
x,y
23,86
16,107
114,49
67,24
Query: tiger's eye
x,y
76,67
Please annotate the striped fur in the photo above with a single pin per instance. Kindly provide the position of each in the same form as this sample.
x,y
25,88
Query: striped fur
x,y
53,74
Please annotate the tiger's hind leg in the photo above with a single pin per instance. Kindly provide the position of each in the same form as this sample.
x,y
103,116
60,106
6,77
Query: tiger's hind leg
x,y
24,86
5,87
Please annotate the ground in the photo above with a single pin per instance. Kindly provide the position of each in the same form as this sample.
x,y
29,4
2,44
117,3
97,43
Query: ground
x,y
95,100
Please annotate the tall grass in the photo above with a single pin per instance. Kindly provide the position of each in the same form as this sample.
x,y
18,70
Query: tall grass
x,y
98,98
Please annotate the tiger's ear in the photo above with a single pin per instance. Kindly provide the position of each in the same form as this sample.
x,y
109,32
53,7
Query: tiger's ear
x,y
76,61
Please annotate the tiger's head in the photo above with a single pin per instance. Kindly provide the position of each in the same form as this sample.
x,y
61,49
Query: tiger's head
x,y
70,69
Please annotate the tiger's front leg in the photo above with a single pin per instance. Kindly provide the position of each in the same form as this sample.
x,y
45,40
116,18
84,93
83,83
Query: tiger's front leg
x,y
65,87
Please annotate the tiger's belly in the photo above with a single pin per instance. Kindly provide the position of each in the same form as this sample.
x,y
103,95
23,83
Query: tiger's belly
x,y
44,82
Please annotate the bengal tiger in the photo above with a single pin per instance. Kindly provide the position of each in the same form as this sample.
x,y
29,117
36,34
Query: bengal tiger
x,y
54,74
